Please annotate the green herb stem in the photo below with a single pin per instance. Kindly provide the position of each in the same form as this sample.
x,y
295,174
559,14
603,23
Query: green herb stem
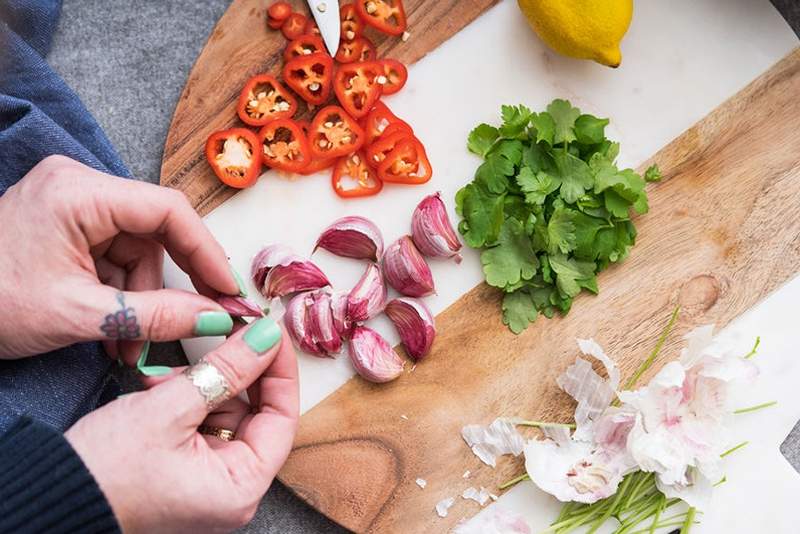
x,y
513,481
689,521
654,354
754,350
755,408
734,449
544,424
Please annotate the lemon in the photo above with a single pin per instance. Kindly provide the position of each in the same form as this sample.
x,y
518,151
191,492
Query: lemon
x,y
584,29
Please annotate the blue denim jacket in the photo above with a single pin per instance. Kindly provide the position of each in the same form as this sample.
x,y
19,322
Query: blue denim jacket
x,y
40,116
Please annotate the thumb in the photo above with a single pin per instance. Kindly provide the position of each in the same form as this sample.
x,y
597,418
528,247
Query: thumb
x,y
222,374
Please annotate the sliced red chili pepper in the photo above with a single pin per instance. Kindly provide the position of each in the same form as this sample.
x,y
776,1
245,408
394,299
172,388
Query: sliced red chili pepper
x,y
387,16
305,45
352,177
312,28
357,86
406,164
234,156
277,14
359,49
310,76
396,76
379,120
334,133
381,147
284,146
352,25
264,99
294,26
317,164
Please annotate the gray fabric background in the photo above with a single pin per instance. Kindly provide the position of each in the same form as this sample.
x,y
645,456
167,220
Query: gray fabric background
x,y
128,61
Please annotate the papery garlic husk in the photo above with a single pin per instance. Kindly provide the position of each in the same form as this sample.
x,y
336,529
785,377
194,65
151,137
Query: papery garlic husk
x,y
298,323
321,324
277,272
406,270
368,298
352,237
373,357
341,322
240,306
431,230
415,324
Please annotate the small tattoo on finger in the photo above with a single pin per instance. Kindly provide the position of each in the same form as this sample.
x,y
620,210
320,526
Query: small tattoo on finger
x,y
122,324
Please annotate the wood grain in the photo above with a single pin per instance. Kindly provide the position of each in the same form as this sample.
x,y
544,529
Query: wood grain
x,y
240,46
722,233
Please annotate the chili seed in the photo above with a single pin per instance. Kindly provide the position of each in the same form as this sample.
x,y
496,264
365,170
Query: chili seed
x,y
371,7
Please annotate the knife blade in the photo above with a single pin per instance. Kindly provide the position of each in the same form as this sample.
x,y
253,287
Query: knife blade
x,y
326,14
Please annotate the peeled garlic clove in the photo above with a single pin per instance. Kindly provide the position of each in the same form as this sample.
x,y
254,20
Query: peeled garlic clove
x,y
298,323
277,272
342,324
415,324
321,324
352,237
240,306
368,297
373,357
406,270
431,230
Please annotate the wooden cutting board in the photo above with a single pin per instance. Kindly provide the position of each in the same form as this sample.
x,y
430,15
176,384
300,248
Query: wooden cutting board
x,y
722,233
241,46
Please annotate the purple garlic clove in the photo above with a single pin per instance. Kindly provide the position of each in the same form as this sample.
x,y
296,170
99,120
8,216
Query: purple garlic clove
x,y
298,323
373,357
368,297
240,306
414,323
431,230
342,324
406,270
277,272
322,328
352,237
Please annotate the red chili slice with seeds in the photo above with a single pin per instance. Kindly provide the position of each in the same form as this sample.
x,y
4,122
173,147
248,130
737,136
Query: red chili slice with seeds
x,y
407,163
352,25
305,45
387,16
395,74
352,177
294,26
380,120
359,49
234,156
381,147
357,86
277,14
284,146
264,99
310,76
334,133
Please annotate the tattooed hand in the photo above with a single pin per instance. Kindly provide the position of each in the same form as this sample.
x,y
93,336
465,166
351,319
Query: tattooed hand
x,y
81,258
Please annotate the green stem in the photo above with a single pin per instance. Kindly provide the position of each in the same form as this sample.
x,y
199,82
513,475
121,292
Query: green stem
x,y
544,424
634,495
734,449
756,407
665,524
617,498
687,523
721,481
516,480
754,349
654,354
660,508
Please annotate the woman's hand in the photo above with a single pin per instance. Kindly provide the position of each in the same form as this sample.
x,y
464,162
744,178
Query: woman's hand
x,y
160,475
82,257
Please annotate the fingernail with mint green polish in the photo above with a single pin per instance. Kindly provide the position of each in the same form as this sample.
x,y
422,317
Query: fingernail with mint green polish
x,y
213,323
262,335
239,282
150,370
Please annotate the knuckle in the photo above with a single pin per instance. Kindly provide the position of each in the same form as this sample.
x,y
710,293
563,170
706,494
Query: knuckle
x,y
234,375
163,324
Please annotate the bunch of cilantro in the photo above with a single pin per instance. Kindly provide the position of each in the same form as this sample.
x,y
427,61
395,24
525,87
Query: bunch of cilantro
x,y
549,207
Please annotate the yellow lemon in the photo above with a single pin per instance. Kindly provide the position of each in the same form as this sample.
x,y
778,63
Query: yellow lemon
x,y
584,29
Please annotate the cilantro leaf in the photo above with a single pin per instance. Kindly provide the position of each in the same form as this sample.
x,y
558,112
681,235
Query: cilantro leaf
x,y
511,149
590,130
616,205
536,186
518,310
538,158
494,172
569,271
515,120
574,174
511,259
652,174
483,216
481,139
564,117
561,231
545,127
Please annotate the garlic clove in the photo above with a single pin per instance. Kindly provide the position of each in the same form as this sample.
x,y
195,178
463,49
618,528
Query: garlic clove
x,y
240,306
406,270
415,324
298,323
342,324
373,357
352,237
368,297
321,324
277,272
431,230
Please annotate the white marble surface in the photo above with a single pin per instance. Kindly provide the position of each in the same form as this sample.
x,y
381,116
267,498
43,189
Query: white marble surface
x,y
680,60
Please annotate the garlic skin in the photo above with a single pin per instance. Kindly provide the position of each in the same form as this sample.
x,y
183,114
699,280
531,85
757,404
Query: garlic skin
x,y
352,237
298,323
277,272
406,270
341,322
321,325
373,357
240,306
368,296
431,230
415,324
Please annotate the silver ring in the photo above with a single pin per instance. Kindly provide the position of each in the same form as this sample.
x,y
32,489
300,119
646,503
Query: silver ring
x,y
210,382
